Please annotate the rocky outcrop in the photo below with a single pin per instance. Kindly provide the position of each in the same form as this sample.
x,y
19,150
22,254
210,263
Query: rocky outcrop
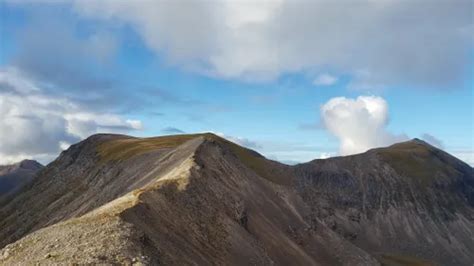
x,y
200,199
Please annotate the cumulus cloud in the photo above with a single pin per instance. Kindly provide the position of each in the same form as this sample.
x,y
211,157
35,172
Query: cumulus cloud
x,y
325,80
359,124
37,125
432,140
424,43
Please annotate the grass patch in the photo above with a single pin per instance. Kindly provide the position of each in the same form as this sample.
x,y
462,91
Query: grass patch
x,y
122,149
416,161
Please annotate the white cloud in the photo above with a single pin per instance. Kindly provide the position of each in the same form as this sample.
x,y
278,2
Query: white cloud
x,y
37,125
466,155
325,155
239,140
264,39
359,124
83,124
11,80
325,80
432,140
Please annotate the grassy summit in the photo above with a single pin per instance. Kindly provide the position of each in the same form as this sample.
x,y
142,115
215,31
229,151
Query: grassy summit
x,y
125,148
417,159
122,149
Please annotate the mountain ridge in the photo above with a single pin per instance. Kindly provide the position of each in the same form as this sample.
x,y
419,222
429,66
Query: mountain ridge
x,y
201,199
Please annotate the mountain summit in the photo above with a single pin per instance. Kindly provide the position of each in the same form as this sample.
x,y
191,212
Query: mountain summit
x,y
200,199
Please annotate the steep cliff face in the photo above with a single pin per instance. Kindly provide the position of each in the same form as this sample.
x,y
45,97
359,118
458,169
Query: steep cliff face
x,y
14,176
407,200
200,199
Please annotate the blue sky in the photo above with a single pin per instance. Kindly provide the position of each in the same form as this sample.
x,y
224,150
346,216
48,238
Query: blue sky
x,y
332,80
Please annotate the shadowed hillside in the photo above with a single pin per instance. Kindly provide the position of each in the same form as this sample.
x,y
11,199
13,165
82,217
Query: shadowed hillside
x,y
410,199
14,176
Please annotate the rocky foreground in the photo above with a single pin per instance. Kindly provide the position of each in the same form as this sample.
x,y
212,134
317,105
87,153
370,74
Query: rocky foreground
x,y
200,199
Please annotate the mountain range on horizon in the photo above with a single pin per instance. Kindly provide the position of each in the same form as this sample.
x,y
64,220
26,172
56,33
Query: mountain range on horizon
x,y
16,175
200,199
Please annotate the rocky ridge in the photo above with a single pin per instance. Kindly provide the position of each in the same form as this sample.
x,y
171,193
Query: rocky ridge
x,y
200,199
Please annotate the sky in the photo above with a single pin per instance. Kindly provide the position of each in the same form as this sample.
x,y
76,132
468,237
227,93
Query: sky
x,y
294,80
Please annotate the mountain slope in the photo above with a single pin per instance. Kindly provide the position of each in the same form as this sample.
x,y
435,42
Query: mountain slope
x,y
409,199
80,180
200,199
206,208
14,176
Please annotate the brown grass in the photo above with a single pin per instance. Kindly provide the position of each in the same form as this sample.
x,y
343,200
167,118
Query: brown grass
x,y
117,150
122,149
416,161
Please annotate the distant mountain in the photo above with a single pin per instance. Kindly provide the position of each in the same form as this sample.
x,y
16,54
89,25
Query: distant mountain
x,y
14,176
200,199
410,200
